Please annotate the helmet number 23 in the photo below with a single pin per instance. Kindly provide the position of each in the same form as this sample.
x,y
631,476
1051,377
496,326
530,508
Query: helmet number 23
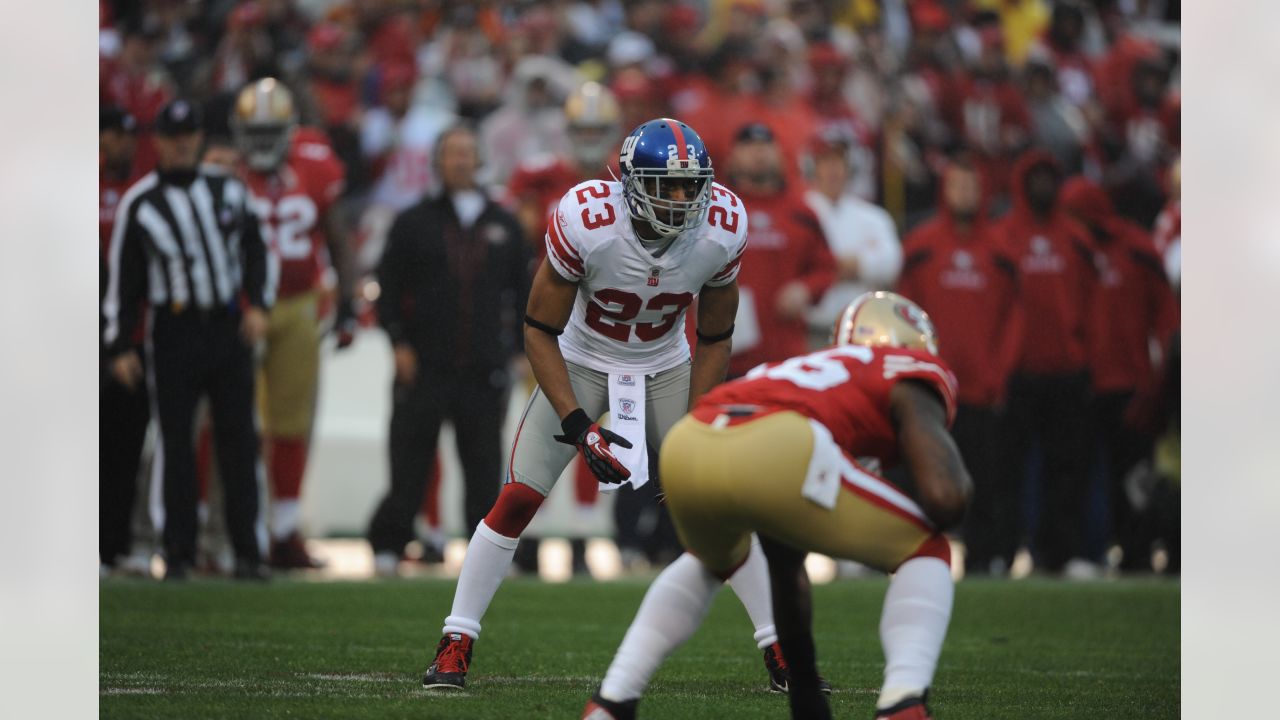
x,y
591,220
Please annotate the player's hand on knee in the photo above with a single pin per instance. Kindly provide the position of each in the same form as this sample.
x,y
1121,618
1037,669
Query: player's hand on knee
x,y
594,442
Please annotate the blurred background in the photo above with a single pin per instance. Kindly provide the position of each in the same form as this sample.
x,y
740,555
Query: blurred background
x,y
913,132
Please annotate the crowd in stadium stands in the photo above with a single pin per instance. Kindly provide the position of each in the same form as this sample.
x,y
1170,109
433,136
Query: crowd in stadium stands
x,y
1025,152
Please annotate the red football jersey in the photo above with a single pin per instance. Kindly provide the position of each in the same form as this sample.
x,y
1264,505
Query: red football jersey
x,y
292,202
845,388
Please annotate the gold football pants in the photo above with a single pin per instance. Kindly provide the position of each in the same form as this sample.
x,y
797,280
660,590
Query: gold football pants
x,y
723,482
289,375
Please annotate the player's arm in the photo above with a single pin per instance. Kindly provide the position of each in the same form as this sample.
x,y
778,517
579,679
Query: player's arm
x,y
259,285
551,300
943,486
335,238
717,307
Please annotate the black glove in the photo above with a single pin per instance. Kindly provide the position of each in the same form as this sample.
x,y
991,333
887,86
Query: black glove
x,y
345,322
593,442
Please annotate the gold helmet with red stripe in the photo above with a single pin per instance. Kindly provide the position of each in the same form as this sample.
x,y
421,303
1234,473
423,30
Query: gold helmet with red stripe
x,y
262,123
885,319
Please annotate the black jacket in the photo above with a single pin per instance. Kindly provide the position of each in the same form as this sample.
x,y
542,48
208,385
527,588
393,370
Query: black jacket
x,y
456,295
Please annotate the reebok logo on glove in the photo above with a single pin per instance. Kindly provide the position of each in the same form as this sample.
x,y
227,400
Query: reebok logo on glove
x,y
593,443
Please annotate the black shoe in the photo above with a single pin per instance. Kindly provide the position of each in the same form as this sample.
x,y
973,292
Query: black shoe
x,y
176,571
453,659
600,709
431,555
780,673
251,570
291,554
579,548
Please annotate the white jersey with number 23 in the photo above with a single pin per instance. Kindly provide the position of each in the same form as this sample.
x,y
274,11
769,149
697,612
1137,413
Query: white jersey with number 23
x,y
629,314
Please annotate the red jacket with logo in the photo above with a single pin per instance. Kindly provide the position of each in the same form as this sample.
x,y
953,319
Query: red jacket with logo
x,y
1057,279
968,283
1134,303
784,243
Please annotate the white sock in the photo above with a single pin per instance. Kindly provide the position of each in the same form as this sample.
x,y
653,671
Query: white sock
x,y
913,625
751,584
284,517
672,610
488,557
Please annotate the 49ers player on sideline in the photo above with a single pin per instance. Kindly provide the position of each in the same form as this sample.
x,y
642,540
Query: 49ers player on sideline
x,y
774,453
604,335
294,179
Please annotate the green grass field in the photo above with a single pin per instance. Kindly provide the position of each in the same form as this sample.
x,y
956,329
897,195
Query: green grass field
x,y
1027,649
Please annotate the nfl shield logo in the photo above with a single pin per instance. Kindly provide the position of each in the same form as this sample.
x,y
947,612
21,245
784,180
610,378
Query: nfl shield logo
x,y
628,405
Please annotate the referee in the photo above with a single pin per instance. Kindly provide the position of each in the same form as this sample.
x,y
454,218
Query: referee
x,y
185,241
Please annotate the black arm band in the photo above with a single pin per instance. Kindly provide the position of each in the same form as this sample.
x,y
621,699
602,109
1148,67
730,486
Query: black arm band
x,y
709,339
536,325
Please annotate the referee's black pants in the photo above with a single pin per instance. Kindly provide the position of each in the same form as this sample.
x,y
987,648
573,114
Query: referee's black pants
x,y
195,354
475,399
122,429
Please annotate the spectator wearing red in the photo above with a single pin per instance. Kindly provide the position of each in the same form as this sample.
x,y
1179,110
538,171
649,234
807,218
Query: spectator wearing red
x,y
988,113
135,82
958,269
834,112
787,265
1139,129
1132,309
638,98
246,51
330,78
724,103
1064,39
1168,230
1048,393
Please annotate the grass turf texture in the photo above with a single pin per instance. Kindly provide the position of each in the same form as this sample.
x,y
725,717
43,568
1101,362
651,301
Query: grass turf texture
x,y
1028,649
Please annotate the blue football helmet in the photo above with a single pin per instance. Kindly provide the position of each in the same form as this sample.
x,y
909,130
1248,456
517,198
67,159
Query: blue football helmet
x,y
666,176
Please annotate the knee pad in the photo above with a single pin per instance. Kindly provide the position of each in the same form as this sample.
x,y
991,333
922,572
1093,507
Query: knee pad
x,y
513,510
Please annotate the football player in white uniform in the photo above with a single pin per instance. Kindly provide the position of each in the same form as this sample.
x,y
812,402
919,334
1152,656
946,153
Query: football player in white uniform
x,y
604,333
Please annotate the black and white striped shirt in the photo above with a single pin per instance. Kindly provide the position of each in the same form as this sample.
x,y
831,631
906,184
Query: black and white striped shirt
x,y
182,241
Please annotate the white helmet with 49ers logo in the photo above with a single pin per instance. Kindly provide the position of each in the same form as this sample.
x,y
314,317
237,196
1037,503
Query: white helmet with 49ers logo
x,y
885,319
262,123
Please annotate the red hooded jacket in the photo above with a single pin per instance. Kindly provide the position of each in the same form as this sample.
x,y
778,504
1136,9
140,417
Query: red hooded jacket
x,y
1133,303
967,280
784,243
1057,278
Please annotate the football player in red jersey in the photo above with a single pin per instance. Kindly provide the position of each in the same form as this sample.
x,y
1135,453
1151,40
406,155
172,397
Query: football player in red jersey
x,y
294,180
538,183
775,453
